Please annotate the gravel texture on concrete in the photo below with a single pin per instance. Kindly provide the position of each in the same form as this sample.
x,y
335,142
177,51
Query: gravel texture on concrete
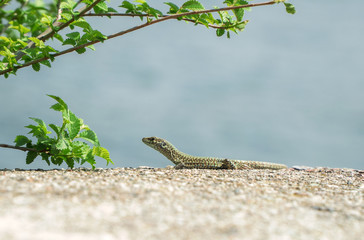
x,y
154,203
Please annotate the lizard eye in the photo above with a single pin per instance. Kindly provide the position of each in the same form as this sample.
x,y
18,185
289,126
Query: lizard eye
x,y
163,144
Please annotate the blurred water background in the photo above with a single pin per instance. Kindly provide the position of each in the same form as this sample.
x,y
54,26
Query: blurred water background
x,y
289,89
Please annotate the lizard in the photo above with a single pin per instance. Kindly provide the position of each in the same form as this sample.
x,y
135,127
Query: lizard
x,y
183,160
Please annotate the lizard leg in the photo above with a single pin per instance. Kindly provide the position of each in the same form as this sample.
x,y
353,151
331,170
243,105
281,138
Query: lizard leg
x,y
227,164
230,164
180,166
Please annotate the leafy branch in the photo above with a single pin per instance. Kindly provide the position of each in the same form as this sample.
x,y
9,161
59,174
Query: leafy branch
x,y
65,146
146,15
29,26
25,149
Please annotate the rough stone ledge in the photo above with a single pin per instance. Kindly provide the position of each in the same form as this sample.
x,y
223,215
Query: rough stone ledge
x,y
164,203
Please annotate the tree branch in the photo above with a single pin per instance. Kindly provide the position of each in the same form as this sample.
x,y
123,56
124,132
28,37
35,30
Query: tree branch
x,y
162,19
25,149
59,10
145,15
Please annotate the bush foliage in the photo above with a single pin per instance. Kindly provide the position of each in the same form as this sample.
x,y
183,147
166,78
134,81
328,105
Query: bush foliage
x,y
70,143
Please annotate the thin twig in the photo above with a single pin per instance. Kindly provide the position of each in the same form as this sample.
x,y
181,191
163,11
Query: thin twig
x,y
168,17
59,10
118,15
147,15
209,25
25,149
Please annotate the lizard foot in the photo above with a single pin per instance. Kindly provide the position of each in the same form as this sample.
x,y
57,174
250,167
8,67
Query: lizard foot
x,y
227,164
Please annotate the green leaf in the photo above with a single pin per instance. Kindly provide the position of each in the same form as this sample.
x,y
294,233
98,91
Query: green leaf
x,y
7,53
239,13
36,67
56,160
90,159
80,149
109,9
58,37
31,155
220,32
90,136
66,16
32,52
241,26
55,128
88,2
5,40
74,126
38,43
21,140
46,19
93,35
81,50
41,125
65,5
74,35
193,5
69,41
22,30
101,7
70,162
225,17
35,130
45,157
103,153
173,7
92,47
82,24
127,5
290,8
22,43
46,62
61,144
60,106
154,12
141,1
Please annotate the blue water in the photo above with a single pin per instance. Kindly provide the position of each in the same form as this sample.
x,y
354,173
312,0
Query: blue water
x,y
288,89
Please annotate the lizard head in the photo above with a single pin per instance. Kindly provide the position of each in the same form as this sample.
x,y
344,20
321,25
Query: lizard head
x,y
158,144
162,146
